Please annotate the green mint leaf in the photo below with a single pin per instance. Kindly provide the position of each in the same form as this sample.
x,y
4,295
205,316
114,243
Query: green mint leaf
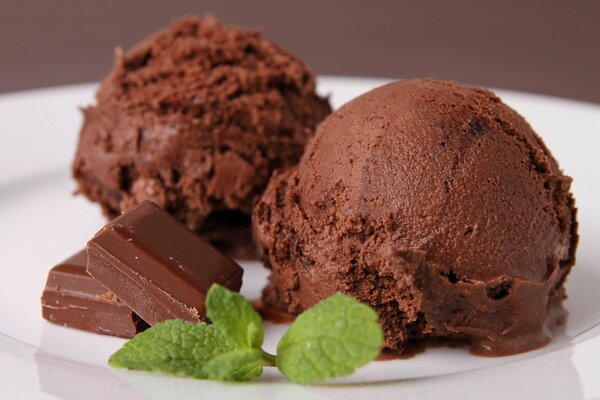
x,y
240,365
235,317
176,347
331,339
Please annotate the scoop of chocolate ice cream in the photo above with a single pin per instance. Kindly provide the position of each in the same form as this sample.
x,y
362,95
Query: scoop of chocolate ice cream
x,y
195,118
436,204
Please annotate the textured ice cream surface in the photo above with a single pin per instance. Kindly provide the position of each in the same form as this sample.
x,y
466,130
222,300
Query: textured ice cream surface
x,y
436,204
195,118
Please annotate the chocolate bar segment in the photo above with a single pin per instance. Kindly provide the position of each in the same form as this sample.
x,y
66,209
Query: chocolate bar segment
x,y
74,299
156,266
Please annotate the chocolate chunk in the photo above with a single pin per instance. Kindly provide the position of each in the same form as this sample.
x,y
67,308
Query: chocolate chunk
x,y
156,266
73,298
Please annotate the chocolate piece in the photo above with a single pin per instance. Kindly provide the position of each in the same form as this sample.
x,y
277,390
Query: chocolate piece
x,y
436,204
156,266
73,298
195,118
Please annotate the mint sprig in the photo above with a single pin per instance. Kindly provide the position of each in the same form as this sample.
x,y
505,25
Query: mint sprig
x,y
331,339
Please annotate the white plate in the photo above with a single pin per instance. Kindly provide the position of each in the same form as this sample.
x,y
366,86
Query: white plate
x,y
41,224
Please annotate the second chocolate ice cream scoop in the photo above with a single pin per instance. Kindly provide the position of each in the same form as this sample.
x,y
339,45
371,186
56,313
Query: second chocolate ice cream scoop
x,y
433,202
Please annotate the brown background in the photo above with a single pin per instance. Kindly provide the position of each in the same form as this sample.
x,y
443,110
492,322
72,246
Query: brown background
x,y
550,47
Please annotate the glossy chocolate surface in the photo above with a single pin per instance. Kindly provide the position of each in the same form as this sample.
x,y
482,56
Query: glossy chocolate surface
x,y
74,299
156,266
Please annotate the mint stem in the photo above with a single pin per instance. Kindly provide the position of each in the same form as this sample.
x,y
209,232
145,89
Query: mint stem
x,y
269,359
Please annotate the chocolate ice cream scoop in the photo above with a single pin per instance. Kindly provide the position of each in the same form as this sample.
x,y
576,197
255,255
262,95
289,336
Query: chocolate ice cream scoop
x,y
195,119
436,204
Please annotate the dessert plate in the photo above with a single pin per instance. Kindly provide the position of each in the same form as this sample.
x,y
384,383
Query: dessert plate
x,y
41,223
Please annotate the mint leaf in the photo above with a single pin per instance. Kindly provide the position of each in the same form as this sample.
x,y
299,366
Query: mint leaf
x,y
240,365
176,347
235,317
331,339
